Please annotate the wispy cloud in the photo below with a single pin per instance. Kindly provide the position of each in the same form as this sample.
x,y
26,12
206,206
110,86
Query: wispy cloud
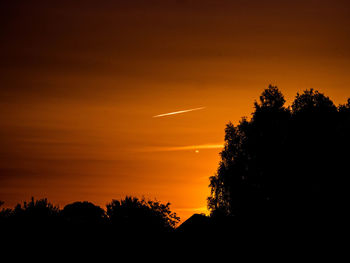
x,y
177,112
184,148
194,147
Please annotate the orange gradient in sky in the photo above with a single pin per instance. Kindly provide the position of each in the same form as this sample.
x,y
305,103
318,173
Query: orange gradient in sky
x,y
81,82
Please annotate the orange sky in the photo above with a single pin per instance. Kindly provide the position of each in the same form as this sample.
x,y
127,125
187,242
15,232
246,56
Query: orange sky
x,y
80,83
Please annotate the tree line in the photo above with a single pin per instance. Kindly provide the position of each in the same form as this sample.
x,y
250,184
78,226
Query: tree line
x,y
128,215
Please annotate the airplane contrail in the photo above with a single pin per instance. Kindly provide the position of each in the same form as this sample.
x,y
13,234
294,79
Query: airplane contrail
x,y
177,112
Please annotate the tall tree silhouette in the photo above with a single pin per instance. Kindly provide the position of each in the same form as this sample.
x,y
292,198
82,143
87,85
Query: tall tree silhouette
x,y
285,163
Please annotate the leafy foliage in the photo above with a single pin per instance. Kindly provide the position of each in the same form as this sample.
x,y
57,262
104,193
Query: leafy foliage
x,y
134,214
35,210
129,215
284,162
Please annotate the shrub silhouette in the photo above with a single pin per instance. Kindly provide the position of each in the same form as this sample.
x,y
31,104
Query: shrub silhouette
x,y
285,164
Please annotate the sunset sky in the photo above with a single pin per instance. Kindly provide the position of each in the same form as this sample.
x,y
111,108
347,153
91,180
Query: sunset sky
x,y
82,85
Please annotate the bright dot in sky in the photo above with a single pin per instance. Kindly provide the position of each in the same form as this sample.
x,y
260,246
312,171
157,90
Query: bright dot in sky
x,y
196,151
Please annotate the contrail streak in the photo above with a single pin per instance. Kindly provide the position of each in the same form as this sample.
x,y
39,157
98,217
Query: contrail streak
x,y
177,112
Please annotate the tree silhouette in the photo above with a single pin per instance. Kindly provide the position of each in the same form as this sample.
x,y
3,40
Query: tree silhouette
x,y
85,219
83,213
133,214
286,164
4,213
35,211
30,218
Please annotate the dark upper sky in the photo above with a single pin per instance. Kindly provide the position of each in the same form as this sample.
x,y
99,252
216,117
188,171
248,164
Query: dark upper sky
x,y
81,80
